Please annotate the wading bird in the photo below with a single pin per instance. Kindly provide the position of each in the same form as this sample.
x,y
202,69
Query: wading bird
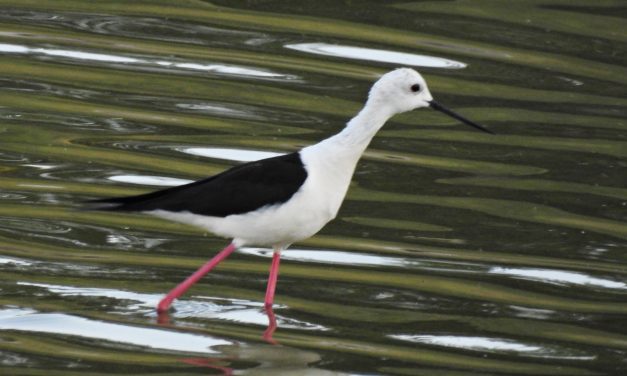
x,y
278,201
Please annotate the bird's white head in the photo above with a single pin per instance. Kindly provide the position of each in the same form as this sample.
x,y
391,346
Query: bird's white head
x,y
403,90
399,91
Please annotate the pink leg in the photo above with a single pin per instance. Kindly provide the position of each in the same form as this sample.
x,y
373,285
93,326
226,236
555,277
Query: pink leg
x,y
200,362
274,273
179,290
269,332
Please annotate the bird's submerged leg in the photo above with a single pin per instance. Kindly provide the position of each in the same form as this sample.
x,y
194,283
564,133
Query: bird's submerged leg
x,y
179,290
274,274
269,332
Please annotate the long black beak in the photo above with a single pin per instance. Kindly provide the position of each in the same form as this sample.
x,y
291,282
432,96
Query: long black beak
x,y
436,106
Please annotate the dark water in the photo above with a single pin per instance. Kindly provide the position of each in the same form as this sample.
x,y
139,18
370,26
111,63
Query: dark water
x,y
456,253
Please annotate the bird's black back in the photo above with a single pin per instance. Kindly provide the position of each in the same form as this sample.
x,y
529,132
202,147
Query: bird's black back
x,y
241,189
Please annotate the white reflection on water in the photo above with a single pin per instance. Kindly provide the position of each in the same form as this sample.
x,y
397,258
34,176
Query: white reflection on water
x,y
244,314
558,277
142,300
41,166
532,313
149,180
229,154
12,261
494,344
472,343
239,71
16,49
41,186
84,55
57,323
333,257
238,155
13,48
222,110
371,54
99,57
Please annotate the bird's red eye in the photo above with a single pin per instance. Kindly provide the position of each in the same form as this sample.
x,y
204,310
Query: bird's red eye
x,y
415,88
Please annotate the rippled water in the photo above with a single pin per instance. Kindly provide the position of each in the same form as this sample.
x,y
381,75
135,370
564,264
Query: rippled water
x,y
455,253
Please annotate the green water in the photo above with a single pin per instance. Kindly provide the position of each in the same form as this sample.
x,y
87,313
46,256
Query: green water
x,y
456,252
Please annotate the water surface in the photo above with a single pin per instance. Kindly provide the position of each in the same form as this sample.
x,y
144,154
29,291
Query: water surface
x,y
456,252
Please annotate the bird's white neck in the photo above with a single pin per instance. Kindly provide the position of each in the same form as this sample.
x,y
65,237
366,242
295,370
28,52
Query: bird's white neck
x,y
342,151
360,130
330,163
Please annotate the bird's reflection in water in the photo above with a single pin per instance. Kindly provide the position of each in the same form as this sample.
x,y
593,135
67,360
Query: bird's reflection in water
x,y
269,332
212,363
163,318
266,360
270,358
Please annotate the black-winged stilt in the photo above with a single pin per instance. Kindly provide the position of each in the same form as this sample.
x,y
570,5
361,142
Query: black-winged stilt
x,y
278,201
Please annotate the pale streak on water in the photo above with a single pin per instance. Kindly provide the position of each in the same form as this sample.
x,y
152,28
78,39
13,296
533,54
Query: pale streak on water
x,y
455,253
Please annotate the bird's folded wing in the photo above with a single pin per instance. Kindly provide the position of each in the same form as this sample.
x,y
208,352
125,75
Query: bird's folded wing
x,y
241,189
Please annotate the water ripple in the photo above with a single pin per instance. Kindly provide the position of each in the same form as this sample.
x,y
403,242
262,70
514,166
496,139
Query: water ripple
x,y
498,345
32,226
159,181
14,262
559,277
40,87
225,153
239,155
236,310
28,320
532,277
333,257
95,123
219,109
377,55
163,29
11,196
143,62
65,269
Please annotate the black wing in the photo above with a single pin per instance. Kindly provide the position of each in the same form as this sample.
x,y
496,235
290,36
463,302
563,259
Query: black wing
x,y
241,189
